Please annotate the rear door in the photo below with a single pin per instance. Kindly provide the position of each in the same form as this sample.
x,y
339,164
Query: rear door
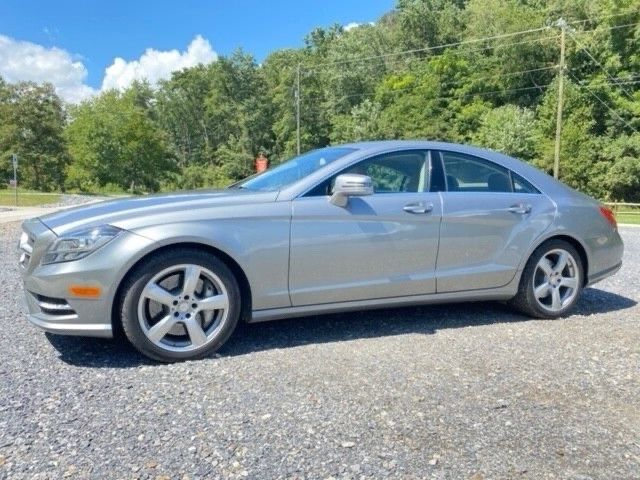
x,y
378,246
490,218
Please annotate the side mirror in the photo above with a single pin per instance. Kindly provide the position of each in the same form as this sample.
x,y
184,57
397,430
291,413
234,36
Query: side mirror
x,y
350,185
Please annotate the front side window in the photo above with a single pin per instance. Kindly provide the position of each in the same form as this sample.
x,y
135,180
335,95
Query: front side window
x,y
465,173
397,172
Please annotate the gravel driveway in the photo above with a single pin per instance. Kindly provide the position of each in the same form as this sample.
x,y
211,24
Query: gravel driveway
x,y
469,391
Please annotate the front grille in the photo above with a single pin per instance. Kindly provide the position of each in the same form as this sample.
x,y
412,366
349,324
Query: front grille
x,y
26,249
54,306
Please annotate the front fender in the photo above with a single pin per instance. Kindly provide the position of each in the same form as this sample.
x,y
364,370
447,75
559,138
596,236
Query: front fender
x,y
260,246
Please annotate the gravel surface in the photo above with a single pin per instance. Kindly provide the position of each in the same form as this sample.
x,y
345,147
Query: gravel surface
x,y
469,391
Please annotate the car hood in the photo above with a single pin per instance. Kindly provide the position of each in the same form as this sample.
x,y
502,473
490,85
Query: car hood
x,y
124,212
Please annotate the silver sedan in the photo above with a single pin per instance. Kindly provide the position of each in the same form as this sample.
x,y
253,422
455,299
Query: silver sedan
x,y
365,225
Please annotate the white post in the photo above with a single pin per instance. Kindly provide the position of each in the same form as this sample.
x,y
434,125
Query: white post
x,y
14,159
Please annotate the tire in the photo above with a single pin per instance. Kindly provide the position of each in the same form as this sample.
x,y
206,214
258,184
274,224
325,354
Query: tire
x,y
179,305
539,292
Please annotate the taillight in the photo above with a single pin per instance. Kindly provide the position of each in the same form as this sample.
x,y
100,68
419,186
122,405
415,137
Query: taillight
x,y
607,213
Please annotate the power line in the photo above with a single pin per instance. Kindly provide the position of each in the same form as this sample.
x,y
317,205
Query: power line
x,y
489,47
597,97
502,75
630,12
457,82
504,45
484,39
583,48
475,40
435,47
600,30
493,92
615,79
627,82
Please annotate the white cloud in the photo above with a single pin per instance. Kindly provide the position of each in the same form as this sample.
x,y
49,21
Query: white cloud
x,y
350,26
20,60
155,65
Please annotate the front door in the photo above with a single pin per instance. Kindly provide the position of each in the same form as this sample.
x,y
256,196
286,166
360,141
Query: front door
x,y
379,246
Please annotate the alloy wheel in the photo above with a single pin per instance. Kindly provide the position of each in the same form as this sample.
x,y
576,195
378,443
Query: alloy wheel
x,y
556,279
183,307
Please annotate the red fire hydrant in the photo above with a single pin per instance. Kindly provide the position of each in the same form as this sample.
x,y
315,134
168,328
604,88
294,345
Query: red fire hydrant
x,y
262,163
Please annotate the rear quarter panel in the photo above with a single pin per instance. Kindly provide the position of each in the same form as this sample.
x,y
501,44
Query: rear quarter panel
x,y
581,219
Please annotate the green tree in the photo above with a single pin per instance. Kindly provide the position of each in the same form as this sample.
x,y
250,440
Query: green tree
x,y
508,129
577,158
31,125
114,142
618,170
363,123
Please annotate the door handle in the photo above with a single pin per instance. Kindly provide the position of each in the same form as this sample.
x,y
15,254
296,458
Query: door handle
x,y
520,208
418,208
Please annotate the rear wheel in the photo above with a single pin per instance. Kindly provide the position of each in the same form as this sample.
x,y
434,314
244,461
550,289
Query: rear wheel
x,y
551,282
181,305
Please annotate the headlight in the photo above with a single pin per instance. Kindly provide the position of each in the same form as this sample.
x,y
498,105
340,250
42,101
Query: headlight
x,y
79,243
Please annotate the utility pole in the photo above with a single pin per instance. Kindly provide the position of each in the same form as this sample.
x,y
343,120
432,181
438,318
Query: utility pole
x,y
561,69
14,160
297,96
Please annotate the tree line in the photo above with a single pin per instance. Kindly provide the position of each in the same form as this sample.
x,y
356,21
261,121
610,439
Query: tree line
x,y
472,71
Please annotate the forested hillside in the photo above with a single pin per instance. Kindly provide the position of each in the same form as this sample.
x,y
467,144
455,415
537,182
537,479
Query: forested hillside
x,y
480,71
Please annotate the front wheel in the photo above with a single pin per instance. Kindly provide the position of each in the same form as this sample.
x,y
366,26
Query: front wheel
x,y
181,305
551,282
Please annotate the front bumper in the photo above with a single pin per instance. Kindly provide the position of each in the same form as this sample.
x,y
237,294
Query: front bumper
x,y
86,320
50,304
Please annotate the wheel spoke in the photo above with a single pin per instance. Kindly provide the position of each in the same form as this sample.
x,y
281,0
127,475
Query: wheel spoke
x,y
569,282
156,293
542,290
562,262
160,329
191,277
215,302
196,333
545,266
556,302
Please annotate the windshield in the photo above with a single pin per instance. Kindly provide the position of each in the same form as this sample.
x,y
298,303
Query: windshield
x,y
294,170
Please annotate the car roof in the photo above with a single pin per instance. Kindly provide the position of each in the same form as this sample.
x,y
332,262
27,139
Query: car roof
x,y
384,145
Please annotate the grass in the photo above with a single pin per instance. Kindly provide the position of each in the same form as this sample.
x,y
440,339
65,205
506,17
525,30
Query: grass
x,y
27,198
626,217
626,213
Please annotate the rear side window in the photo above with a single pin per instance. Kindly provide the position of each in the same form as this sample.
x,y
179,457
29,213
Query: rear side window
x,y
465,173
520,185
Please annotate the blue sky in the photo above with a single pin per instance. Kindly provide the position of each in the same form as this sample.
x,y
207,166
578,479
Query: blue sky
x,y
93,34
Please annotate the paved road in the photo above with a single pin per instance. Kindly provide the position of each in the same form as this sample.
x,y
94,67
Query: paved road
x,y
469,391
13,214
